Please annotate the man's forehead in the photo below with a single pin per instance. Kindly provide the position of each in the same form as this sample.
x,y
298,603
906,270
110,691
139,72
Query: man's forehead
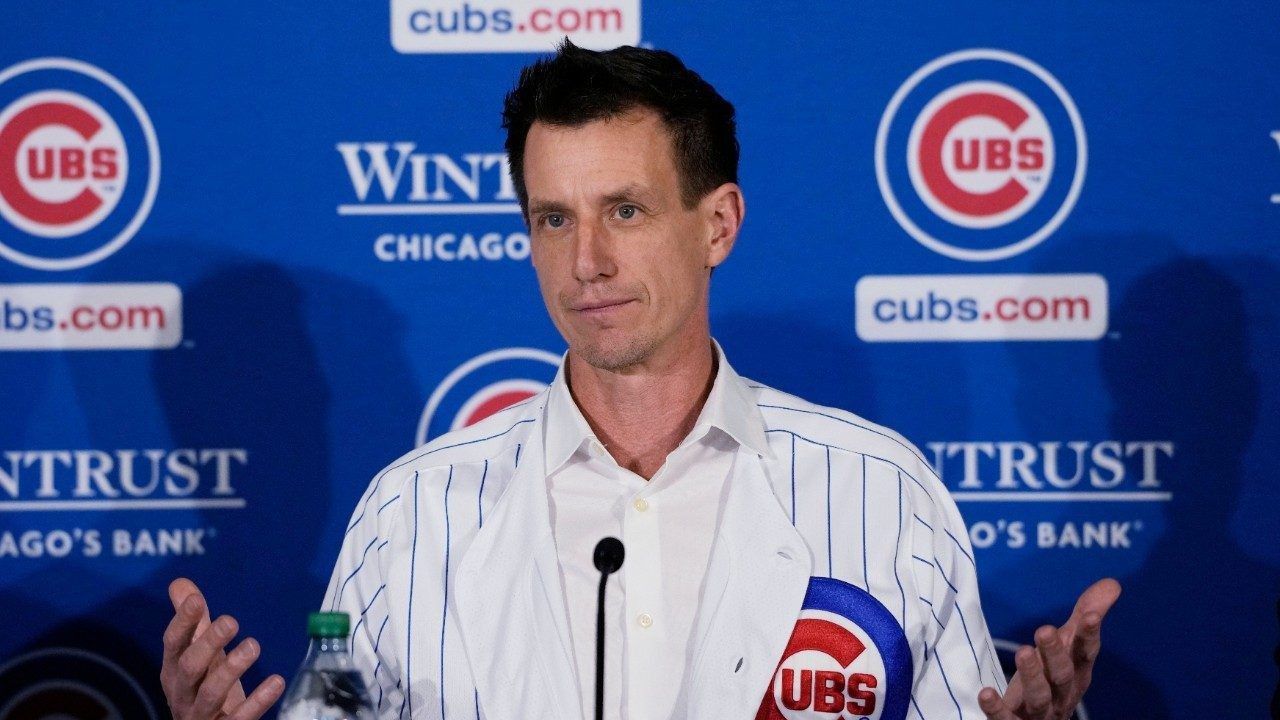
x,y
623,155
625,133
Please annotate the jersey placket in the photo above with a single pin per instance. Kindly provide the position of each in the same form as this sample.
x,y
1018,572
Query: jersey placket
x,y
646,630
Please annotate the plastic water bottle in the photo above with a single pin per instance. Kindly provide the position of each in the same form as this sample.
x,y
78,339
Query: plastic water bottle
x,y
327,686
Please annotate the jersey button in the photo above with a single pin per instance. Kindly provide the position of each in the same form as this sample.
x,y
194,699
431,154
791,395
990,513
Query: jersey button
x,y
641,504
645,620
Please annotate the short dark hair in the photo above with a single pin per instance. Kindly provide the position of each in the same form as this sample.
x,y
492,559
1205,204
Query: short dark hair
x,y
577,86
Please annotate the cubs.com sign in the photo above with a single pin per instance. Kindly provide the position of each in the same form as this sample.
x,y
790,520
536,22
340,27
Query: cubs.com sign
x,y
980,155
79,164
847,658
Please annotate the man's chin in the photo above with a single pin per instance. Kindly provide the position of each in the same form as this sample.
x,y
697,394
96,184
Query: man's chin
x,y
611,357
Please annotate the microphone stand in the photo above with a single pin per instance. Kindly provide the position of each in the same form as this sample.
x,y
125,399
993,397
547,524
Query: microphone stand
x,y
608,557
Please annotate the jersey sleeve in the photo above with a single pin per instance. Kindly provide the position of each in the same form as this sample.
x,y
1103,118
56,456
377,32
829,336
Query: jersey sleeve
x,y
358,587
959,656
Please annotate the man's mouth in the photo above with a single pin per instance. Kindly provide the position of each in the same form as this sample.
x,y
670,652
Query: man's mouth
x,y
599,307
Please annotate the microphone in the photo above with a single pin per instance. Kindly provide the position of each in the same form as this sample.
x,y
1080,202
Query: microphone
x,y
608,558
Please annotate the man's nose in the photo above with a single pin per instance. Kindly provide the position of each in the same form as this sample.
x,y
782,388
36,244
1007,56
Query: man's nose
x,y
592,252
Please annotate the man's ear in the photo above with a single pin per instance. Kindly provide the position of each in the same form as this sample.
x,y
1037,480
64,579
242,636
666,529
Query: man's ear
x,y
723,209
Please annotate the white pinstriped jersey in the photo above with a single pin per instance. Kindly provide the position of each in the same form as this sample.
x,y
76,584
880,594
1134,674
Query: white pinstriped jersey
x,y
865,503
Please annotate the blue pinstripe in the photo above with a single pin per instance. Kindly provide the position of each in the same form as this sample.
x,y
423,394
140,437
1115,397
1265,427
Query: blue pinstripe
x,y
896,578
960,547
916,706
898,467
408,633
385,504
444,613
866,581
830,567
376,643
480,524
480,496
941,670
793,479
995,663
848,422
378,481
352,645
904,471
960,612
338,598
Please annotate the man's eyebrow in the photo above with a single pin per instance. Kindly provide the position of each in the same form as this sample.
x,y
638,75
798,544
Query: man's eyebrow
x,y
538,207
631,192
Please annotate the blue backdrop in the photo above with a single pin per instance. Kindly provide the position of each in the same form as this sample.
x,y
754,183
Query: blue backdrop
x,y
248,252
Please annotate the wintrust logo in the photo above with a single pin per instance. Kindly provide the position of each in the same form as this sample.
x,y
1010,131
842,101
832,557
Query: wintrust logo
x,y
397,179
483,26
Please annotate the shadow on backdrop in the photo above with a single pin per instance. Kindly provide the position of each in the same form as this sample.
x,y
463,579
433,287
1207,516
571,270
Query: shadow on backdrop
x,y
266,341
1182,365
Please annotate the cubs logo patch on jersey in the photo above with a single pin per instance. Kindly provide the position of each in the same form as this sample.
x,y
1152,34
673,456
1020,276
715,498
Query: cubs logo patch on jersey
x,y
847,659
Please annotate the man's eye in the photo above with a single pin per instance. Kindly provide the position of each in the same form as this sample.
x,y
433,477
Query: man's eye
x,y
626,212
554,220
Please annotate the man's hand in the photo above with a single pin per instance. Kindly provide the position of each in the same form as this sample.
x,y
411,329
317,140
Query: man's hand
x,y
201,681
1053,676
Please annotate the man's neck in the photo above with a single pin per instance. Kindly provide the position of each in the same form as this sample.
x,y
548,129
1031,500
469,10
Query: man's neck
x,y
642,416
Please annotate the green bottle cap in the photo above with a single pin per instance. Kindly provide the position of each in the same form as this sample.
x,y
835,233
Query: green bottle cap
x,y
328,625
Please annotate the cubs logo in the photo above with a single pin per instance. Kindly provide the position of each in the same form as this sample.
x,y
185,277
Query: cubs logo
x,y
847,659
980,155
70,684
79,164
484,385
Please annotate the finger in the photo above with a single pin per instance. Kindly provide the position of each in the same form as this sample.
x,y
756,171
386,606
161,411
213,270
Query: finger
x,y
1037,697
180,590
1098,599
1087,643
1058,667
994,706
182,628
196,660
260,700
222,676
1013,693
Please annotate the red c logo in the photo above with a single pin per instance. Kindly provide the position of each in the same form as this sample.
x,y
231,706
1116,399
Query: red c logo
x,y
18,129
931,150
816,690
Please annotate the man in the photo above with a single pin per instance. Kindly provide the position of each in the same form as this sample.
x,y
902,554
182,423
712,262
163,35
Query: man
x,y
767,537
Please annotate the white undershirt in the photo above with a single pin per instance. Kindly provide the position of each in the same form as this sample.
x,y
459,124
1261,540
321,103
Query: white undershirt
x,y
667,525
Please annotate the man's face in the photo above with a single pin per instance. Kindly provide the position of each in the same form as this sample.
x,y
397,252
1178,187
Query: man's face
x,y
623,266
